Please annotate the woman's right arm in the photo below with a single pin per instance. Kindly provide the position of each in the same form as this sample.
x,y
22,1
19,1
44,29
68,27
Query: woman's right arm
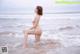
x,y
33,22
36,22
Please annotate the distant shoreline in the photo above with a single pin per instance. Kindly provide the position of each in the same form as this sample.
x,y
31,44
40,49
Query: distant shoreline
x,y
75,12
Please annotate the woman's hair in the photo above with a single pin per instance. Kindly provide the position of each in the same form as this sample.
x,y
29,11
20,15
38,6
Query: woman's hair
x,y
39,10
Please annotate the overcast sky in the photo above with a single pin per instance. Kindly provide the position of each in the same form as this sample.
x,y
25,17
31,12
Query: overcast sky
x,y
25,3
30,4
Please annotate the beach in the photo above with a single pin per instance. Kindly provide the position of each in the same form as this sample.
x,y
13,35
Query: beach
x,y
61,34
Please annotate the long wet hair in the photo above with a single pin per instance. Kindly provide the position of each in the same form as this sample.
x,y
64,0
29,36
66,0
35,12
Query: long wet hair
x,y
39,10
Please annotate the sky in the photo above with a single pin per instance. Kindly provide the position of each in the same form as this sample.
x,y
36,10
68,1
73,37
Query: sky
x,y
25,5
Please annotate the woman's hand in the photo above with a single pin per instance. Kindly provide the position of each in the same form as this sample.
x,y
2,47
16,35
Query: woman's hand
x,y
34,24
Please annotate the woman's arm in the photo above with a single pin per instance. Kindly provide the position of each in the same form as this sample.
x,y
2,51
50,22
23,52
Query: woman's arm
x,y
36,22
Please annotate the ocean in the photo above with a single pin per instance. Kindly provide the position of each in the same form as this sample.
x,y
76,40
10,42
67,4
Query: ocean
x,y
64,27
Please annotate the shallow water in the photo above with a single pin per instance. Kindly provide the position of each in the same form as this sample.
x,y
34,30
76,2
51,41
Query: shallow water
x,y
64,29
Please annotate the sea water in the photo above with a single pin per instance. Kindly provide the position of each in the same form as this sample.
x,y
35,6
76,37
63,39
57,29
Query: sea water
x,y
64,27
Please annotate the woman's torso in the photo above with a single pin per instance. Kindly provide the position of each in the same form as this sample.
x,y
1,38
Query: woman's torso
x,y
38,28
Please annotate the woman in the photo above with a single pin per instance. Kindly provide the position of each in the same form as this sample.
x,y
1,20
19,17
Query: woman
x,y
35,29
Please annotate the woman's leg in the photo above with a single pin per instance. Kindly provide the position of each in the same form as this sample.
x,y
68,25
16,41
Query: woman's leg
x,y
38,33
26,33
25,39
37,40
37,37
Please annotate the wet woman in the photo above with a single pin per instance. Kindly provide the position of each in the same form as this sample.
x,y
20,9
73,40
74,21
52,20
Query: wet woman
x,y
35,29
